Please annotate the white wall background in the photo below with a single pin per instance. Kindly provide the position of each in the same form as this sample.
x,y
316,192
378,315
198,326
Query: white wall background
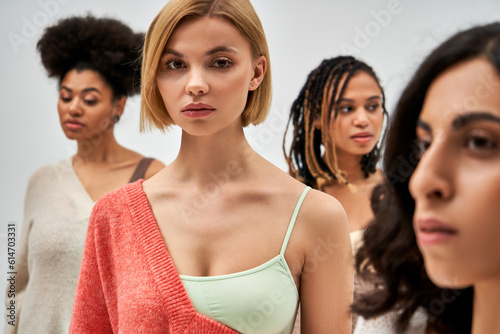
x,y
390,35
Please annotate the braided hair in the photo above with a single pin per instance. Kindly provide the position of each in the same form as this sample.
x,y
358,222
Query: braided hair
x,y
104,45
316,100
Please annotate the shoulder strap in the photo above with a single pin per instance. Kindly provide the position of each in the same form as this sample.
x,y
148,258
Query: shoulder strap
x,y
140,170
292,221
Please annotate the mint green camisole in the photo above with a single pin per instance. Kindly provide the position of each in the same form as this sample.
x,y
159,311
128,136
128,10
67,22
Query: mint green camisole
x,y
260,300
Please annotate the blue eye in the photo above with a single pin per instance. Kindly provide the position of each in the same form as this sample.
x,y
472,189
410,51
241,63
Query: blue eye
x,y
373,107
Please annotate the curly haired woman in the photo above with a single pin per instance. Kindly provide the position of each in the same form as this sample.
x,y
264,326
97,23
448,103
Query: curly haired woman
x,y
94,61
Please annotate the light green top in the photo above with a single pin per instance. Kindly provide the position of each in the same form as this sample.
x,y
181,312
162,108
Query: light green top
x,y
260,300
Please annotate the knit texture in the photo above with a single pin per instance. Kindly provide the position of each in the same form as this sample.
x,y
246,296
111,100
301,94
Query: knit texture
x,y
56,213
128,282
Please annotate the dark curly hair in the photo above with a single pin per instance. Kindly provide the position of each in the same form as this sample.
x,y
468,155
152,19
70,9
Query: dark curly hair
x,y
317,101
390,246
104,45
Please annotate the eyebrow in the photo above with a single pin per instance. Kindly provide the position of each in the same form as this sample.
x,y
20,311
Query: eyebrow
x,y
424,125
221,48
86,90
173,52
462,120
343,99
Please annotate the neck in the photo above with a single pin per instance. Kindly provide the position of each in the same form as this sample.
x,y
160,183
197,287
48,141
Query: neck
x,y
485,318
101,148
215,158
351,164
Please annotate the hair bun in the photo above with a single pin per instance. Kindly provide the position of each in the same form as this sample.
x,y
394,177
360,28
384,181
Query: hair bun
x,y
105,45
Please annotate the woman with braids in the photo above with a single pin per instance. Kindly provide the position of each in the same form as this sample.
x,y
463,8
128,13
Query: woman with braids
x,y
337,124
94,60
434,240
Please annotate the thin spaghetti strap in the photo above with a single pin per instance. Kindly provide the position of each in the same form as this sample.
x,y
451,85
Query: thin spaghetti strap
x,y
292,221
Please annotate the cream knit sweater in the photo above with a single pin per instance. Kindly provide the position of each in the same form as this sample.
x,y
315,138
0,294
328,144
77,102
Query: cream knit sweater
x,y
49,250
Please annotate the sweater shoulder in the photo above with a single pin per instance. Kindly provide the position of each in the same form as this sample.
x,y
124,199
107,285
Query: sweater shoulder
x,y
49,172
119,205
45,181
121,197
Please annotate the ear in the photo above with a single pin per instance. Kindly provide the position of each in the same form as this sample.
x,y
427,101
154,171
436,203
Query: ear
x,y
259,70
119,106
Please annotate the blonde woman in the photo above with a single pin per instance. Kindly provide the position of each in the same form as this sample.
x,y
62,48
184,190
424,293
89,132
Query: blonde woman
x,y
221,240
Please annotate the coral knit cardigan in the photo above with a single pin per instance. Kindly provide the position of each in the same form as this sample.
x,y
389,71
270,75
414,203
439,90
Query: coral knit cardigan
x,y
128,282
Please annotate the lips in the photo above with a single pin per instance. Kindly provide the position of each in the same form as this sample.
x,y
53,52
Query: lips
x,y
433,231
362,137
74,124
197,110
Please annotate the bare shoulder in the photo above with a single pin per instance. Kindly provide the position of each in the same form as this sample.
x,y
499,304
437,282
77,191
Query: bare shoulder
x,y
319,211
323,213
154,167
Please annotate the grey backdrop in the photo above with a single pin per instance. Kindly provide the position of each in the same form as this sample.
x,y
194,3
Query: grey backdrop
x,y
390,35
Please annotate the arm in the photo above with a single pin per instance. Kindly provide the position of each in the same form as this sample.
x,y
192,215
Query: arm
x,y
327,277
17,283
90,313
21,280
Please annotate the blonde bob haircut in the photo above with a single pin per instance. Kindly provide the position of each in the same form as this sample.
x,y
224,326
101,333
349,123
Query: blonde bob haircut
x,y
238,12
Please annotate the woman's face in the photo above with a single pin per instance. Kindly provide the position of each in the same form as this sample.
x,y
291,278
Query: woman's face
x,y
85,105
456,185
360,116
205,74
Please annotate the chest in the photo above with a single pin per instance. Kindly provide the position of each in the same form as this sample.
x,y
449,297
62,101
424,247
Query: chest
x,y
99,180
225,235
356,204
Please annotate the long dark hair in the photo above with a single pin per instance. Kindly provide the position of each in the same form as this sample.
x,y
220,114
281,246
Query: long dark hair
x,y
317,100
390,246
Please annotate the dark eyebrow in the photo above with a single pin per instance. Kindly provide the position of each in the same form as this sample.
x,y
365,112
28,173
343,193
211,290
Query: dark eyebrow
x,y
424,125
462,120
86,90
343,99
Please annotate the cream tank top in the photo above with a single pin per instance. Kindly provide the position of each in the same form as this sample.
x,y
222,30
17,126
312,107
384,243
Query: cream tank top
x,y
260,300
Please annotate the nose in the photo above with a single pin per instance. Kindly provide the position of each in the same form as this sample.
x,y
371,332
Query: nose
x,y
361,118
197,83
432,179
75,107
